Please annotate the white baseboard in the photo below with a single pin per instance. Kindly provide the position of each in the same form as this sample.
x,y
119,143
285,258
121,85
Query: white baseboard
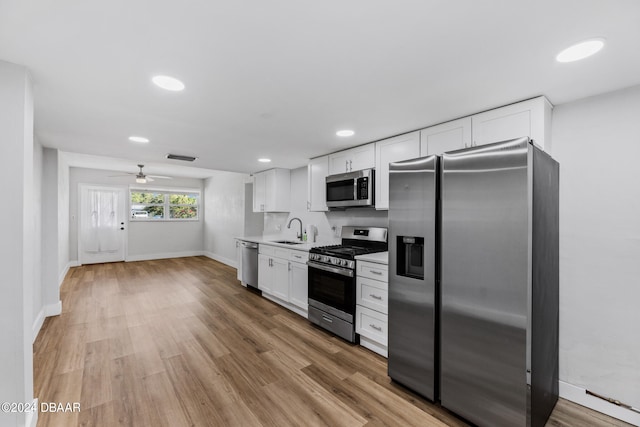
x,y
46,311
230,262
149,257
64,272
31,418
53,309
37,324
579,395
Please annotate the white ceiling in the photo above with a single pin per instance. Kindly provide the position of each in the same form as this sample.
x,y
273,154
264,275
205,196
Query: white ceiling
x,y
278,78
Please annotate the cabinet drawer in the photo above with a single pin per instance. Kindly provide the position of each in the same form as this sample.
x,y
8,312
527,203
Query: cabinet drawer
x,y
274,251
299,256
371,324
266,249
372,270
372,294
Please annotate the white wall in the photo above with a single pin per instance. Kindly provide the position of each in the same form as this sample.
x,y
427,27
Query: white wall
x,y
37,304
597,143
17,243
146,240
275,224
51,262
63,216
224,215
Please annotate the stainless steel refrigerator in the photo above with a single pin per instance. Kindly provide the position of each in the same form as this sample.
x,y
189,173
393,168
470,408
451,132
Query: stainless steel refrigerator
x,y
413,273
496,283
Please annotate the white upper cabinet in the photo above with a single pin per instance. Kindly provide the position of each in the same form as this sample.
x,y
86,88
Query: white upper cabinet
x,y
449,136
271,190
362,157
394,149
530,118
317,169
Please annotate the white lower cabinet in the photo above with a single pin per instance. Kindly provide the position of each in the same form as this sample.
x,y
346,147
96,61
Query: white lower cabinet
x,y
298,285
372,292
282,277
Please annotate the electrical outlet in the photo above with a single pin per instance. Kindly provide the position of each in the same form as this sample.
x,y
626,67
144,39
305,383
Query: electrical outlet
x,y
279,227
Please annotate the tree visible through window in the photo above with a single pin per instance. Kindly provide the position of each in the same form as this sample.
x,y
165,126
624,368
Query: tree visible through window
x,y
152,205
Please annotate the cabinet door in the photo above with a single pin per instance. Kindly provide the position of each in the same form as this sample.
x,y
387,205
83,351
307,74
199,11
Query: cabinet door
x,y
265,276
339,162
259,192
271,190
317,170
280,285
528,118
298,285
445,137
239,259
394,149
363,157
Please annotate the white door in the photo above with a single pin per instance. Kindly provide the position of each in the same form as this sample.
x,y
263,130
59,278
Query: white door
x,y
102,224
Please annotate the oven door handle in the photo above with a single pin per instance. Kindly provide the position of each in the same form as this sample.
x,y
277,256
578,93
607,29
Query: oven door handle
x,y
338,270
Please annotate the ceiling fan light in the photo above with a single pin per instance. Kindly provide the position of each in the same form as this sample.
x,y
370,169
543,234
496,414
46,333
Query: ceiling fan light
x,y
141,180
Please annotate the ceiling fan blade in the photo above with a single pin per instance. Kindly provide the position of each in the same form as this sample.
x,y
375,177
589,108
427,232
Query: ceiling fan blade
x,y
125,174
160,177
149,179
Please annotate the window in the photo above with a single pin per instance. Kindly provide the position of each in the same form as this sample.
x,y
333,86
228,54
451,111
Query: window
x,y
164,205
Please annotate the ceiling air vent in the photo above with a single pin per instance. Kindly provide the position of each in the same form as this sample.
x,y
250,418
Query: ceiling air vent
x,y
180,157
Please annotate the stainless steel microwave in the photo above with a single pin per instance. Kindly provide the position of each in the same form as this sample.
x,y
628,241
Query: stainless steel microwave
x,y
352,189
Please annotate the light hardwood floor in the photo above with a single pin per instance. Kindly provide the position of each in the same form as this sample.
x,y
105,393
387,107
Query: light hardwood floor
x,y
180,342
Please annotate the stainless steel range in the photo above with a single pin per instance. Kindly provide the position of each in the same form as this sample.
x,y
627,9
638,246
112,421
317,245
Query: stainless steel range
x,y
332,278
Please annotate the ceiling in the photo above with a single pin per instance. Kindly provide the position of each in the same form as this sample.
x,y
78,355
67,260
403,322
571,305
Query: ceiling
x,y
278,78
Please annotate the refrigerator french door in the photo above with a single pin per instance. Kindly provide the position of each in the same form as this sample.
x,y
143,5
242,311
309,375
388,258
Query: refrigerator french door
x,y
499,284
413,228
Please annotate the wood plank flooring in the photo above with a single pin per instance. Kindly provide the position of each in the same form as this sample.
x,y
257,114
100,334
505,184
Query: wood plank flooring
x,y
180,342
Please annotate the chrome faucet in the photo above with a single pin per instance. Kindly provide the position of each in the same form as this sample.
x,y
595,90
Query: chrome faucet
x,y
300,221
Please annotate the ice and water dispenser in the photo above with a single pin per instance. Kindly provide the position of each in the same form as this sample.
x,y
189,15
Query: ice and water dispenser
x,y
410,253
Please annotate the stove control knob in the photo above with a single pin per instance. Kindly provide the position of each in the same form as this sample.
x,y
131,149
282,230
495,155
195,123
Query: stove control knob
x,y
344,262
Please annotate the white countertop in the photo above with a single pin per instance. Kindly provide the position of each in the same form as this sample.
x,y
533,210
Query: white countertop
x,y
377,257
271,241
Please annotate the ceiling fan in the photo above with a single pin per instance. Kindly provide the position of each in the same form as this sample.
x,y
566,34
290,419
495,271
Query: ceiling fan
x,y
142,178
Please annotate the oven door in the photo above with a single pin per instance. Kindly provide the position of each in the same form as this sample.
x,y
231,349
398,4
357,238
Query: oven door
x,y
332,289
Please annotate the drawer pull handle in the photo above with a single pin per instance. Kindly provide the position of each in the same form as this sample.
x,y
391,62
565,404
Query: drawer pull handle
x,y
326,319
375,296
377,328
379,273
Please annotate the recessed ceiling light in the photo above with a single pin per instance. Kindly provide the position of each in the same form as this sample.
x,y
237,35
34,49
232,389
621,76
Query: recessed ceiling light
x,y
580,50
345,132
264,160
141,139
168,83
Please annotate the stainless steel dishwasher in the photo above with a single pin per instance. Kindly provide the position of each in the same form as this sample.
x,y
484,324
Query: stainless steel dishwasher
x,y
250,264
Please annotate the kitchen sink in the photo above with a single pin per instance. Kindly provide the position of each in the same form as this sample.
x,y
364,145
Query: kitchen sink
x,y
287,242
